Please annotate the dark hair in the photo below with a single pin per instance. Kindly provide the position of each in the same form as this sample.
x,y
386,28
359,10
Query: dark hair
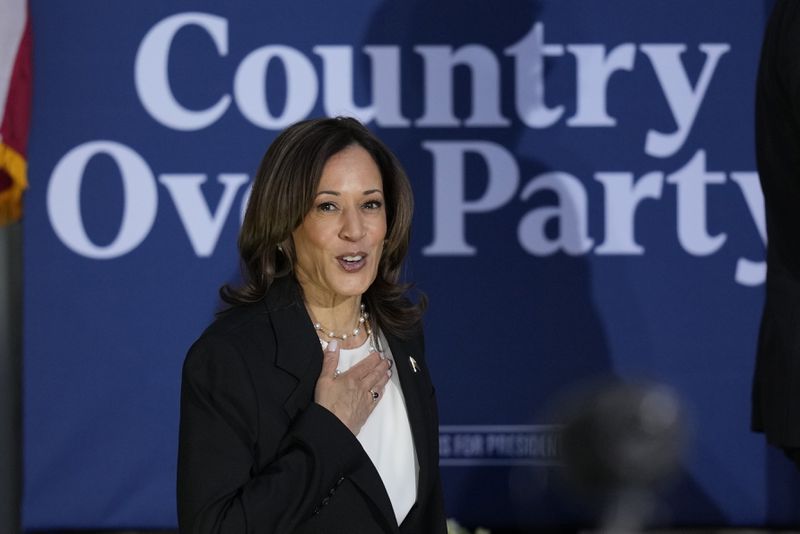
x,y
283,193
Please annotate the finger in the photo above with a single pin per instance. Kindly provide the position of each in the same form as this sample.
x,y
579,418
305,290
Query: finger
x,y
375,395
379,375
384,379
366,366
330,358
379,388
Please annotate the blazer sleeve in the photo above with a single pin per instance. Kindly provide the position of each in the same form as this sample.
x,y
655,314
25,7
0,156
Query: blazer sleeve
x,y
221,489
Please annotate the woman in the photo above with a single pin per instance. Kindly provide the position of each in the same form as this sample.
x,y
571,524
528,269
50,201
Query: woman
x,y
307,406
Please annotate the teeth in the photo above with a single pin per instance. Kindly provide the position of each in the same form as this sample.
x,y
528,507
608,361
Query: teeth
x,y
352,258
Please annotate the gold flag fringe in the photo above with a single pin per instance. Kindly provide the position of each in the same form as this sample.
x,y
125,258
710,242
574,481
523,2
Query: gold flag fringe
x,y
11,198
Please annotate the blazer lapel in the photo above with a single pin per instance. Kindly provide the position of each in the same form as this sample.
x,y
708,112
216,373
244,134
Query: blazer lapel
x,y
299,353
408,356
366,477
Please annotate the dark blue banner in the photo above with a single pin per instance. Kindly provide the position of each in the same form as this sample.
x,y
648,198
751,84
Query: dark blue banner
x,y
587,205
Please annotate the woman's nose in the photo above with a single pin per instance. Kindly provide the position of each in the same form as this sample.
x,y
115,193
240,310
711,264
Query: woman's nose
x,y
353,228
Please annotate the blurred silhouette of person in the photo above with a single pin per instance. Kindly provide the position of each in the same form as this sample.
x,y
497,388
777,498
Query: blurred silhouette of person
x,y
622,444
776,384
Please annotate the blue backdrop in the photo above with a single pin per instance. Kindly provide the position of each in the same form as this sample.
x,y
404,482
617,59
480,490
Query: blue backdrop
x,y
587,204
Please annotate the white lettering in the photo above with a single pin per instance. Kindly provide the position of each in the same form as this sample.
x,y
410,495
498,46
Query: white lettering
x,y
386,85
448,193
571,212
748,272
594,70
337,84
684,101
485,75
622,198
529,53
151,72
245,200
691,181
250,86
64,205
202,226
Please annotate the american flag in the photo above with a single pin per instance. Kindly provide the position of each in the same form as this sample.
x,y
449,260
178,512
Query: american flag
x,y
15,105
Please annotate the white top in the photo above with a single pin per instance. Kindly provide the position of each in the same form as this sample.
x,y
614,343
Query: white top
x,y
386,435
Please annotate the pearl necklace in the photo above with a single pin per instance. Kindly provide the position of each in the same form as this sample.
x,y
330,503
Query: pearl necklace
x,y
362,320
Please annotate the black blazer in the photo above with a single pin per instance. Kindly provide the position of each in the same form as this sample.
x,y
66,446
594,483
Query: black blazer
x,y
776,385
258,455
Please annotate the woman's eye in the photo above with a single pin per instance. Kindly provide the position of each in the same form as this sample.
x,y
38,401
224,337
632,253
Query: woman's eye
x,y
373,204
326,206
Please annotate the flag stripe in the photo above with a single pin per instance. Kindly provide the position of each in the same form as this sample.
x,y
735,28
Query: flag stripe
x,y
14,131
12,24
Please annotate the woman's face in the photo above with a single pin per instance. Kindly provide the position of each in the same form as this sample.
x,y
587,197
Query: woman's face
x,y
339,243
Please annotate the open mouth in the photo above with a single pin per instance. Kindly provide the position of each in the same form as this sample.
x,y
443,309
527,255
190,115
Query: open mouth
x,y
352,262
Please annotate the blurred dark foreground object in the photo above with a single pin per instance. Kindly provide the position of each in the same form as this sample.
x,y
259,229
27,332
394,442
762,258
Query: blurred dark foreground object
x,y
621,443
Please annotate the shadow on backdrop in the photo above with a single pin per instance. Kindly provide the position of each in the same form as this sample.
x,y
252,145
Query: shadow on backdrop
x,y
507,331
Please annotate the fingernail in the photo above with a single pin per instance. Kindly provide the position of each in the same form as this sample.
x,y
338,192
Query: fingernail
x,y
391,363
389,372
332,346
